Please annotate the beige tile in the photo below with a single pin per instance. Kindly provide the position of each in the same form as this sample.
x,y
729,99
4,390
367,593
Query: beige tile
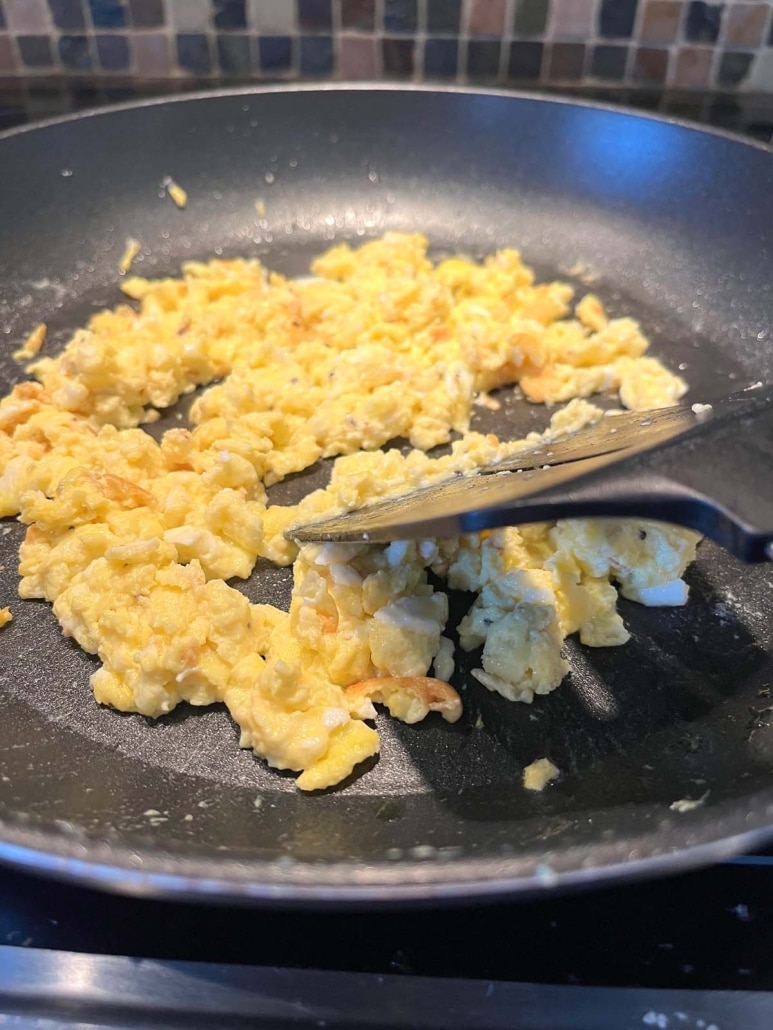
x,y
272,17
27,16
572,19
692,67
190,15
485,17
660,21
358,58
7,55
745,24
151,54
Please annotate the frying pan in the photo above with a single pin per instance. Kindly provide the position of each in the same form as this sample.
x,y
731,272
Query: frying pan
x,y
672,225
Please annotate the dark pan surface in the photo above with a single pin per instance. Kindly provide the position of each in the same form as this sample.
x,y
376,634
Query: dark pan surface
x,y
672,223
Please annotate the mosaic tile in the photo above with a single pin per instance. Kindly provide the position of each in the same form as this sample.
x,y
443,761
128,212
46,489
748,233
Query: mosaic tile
x,y
358,58
67,14
400,15
193,52
230,14
107,14
530,17
316,55
26,16
113,52
483,59
608,62
617,18
74,53
35,51
7,55
650,66
275,53
745,24
233,53
444,16
189,16
572,19
358,14
441,58
397,57
272,17
151,54
692,67
703,22
734,67
146,14
486,17
525,61
566,62
661,21
315,15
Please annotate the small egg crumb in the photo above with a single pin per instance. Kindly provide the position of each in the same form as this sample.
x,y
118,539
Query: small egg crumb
x,y
177,194
539,774
260,208
131,250
32,344
5,617
688,804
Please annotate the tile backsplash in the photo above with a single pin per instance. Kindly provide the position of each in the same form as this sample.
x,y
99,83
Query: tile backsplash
x,y
650,48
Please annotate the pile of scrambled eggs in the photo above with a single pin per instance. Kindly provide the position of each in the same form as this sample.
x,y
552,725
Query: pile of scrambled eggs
x,y
134,541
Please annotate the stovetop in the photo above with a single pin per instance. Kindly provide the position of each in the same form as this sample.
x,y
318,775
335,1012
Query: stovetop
x,y
691,951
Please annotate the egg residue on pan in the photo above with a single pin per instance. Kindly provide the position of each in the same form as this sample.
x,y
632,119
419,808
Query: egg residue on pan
x,y
134,541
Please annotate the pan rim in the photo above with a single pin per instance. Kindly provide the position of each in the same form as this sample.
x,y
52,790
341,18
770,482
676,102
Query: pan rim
x,y
50,853
126,878
387,87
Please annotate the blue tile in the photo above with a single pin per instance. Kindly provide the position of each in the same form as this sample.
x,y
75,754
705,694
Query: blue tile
x,y
11,115
119,94
616,18
275,52
441,58
113,52
525,61
703,22
35,51
74,52
483,58
609,63
444,16
86,96
230,14
233,54
315,15
316,55
734,67
107,14
193,53
400,16
67,14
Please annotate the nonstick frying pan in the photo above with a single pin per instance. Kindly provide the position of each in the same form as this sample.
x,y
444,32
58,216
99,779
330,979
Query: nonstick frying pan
x,y
672,225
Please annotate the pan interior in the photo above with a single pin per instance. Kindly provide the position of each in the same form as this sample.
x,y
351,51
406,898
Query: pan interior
x,y
681,711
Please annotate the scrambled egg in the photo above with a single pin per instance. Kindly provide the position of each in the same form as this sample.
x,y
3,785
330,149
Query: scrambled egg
x,y
134,541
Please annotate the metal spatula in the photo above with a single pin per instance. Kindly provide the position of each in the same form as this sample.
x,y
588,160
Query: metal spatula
x,y
705,466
